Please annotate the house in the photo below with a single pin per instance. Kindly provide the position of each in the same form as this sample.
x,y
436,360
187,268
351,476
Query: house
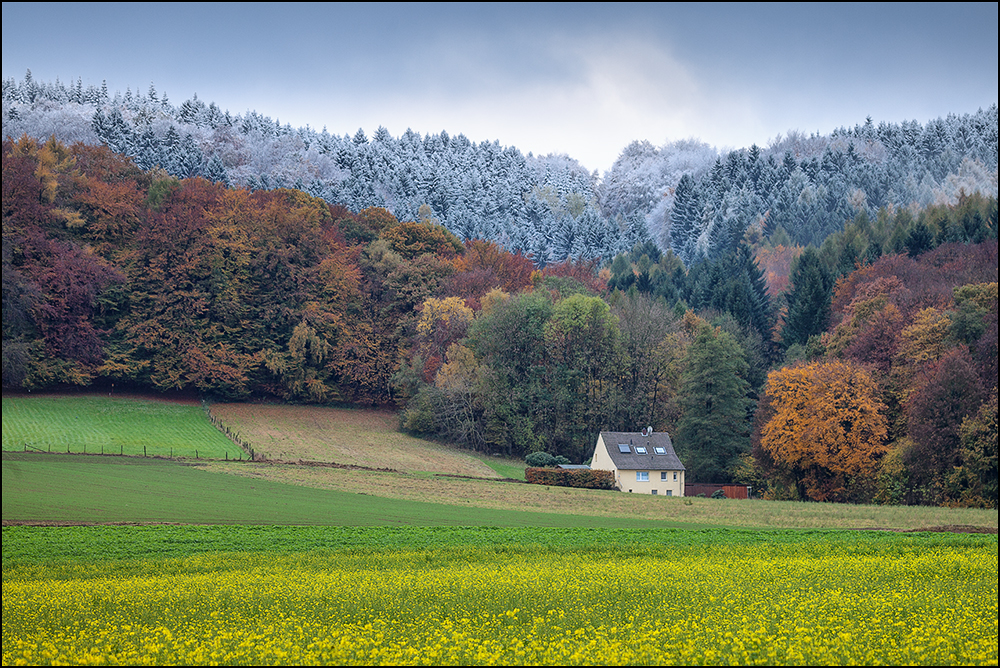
x,y
643,462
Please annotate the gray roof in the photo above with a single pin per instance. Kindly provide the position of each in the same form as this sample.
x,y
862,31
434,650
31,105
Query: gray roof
x,y
650,461
573,466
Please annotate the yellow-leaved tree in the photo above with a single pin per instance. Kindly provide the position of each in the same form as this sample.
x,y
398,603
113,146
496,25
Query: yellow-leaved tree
x,y
828,429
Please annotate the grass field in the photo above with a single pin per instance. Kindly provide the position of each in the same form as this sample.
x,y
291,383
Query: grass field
x,y
97,424
286,563
357,437
423,486
42,488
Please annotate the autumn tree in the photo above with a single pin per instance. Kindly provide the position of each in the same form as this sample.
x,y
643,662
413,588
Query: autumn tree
x,y
452,407
377,219
442,322
412,239
52,285
976,479
948,392
828,427
653,347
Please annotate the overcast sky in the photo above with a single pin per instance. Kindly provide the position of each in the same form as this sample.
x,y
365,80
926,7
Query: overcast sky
x,y
581,79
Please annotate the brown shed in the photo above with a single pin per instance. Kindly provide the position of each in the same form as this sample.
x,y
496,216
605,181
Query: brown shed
x,y
708,489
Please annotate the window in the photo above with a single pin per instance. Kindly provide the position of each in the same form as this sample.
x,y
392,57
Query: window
x,y
623,447
663,475
640,449
642,476
660,451
653,492
675,475
670,492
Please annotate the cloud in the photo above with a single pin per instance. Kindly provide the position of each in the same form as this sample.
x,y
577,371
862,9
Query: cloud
x,y
588,97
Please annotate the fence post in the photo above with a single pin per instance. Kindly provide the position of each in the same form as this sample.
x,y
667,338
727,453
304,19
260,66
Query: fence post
x,y
144,451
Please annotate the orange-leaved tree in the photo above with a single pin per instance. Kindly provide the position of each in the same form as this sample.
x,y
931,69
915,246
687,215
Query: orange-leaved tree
x,y
829,427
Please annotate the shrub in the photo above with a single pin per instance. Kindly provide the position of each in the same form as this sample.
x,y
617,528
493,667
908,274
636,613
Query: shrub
x,y
538,459
587,478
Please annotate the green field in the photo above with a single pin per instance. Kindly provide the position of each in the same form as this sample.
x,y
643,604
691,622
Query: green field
x,y
419,482
42,488
97,424
441,561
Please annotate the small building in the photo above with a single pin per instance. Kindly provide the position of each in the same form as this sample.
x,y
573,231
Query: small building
x,y
643,462
710,489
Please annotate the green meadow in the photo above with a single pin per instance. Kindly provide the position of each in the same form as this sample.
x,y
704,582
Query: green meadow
x,y
44,488
96,424
369,475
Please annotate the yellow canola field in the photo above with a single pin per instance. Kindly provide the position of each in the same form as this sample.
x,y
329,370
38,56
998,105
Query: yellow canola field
x,y
754,604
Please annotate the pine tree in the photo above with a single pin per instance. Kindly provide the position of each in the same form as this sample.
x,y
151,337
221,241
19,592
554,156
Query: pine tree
x,y
215,171
809,300
713,430
685,220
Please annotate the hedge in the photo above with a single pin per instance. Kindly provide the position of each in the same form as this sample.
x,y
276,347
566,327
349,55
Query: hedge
x,y
589,478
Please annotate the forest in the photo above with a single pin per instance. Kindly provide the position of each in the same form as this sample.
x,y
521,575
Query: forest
x,y
817,319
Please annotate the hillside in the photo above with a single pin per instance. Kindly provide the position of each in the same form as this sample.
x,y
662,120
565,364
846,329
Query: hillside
x,y
117,273
684,196
350,437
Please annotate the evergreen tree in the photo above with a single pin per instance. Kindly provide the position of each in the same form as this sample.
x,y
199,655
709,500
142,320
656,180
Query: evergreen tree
x,y
685,225
215,171
714,429
809,300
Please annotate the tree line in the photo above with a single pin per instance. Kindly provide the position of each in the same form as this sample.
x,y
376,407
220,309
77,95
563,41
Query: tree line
x,y
684,196
867,382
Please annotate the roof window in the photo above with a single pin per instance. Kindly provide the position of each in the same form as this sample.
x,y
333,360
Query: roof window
x,y
623,447
660,450
640,449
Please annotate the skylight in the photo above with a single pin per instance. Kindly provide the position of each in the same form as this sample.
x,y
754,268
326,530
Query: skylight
x,y
659,450
640,449
623,447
